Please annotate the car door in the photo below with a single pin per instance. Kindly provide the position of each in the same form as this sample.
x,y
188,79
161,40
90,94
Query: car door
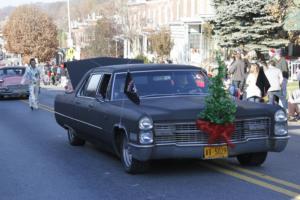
x,y
100,113
85,101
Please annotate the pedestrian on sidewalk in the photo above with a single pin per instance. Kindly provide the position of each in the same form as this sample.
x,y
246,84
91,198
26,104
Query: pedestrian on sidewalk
x,y
252,91
275,78
32,75
262,81
238,69
283,66
298,75
294,105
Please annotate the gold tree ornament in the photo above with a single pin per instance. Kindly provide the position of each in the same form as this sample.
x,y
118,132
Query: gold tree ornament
x,y
31,33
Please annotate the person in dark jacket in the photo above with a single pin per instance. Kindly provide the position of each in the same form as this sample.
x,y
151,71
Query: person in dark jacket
x,y
262,81
237,69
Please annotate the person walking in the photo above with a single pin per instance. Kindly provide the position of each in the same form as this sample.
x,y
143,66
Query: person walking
x,y
262,81
294,105
298,75
275,79
283,66
32,75
238,69
252,91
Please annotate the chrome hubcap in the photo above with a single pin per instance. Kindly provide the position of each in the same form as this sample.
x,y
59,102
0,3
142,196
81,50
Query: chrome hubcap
x,y
70,135
126,153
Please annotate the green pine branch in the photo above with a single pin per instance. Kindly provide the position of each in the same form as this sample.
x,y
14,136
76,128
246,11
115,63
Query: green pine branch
x,y
219,107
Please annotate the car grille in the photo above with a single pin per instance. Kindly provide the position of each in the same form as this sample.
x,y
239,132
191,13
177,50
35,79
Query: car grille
x,y
17,87
187,133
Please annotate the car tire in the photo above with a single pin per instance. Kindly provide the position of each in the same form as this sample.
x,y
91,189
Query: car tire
x,y
130,164
252,159
74,140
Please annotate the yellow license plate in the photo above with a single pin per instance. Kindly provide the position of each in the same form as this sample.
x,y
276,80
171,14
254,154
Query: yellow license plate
x,y
215,152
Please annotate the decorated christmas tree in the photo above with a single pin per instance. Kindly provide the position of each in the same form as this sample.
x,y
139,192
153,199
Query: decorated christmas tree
x,y
254,24
217,118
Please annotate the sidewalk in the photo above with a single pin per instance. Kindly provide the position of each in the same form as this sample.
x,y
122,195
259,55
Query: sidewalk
x,y
294,128
294,125
52,87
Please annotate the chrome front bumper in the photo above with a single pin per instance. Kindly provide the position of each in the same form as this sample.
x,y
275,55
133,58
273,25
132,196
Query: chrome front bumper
x,y
14,93
171,151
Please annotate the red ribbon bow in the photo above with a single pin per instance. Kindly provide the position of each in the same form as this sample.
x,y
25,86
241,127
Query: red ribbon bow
x,y
222,132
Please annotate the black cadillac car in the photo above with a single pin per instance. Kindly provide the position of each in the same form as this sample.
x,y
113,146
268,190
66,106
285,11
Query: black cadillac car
x,y
159,122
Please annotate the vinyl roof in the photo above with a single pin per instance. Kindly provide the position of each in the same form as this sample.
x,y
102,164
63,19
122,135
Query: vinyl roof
x,y
140,67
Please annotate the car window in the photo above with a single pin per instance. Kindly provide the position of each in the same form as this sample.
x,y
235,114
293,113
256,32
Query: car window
x,y
104,86
15,72
90,87
156,83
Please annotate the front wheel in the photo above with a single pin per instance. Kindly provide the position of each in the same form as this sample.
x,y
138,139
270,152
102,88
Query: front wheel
x,y
252,159
130,164
74,140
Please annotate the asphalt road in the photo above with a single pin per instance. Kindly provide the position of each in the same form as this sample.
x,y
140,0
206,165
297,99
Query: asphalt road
x,y
37,163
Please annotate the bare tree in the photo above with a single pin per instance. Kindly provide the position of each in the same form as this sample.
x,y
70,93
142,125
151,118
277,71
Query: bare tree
x,y
31,33
161,43
102,39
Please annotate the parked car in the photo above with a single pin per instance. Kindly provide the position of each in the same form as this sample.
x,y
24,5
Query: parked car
x,y
163,124
10,82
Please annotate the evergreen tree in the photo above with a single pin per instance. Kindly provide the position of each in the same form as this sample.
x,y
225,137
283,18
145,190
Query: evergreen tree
x,y
219,107
250,23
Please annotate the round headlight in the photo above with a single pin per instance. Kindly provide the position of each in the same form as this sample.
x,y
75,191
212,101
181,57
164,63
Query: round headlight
x,y
280,129
280,116
146,137
146,123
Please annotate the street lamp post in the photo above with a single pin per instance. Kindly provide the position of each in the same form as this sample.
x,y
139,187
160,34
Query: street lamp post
x,y
69,39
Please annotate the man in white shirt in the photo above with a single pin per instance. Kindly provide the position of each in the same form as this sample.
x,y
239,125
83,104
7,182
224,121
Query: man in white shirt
x,y
32,75
275,78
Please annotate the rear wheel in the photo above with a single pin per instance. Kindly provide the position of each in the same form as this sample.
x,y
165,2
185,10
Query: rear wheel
x,y
130,164
74,140
252,159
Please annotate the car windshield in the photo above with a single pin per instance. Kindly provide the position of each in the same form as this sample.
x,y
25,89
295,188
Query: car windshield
x,y
163,83
12,72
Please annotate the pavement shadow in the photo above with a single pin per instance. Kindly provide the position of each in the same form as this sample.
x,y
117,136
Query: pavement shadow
x,y
169,167
177,167
13,98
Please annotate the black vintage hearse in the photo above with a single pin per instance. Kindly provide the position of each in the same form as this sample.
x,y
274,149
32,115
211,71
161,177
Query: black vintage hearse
x,y
162,125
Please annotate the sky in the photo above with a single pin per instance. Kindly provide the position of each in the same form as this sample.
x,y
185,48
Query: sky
x,y
4,3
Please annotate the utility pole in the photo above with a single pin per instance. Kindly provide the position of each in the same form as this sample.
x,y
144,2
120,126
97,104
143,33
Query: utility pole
x,y
69,39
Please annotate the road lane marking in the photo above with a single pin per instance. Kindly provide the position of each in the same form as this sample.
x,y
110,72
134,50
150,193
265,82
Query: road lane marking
x,y
252,180
41,106
48,107
296,198
232,172
259,175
